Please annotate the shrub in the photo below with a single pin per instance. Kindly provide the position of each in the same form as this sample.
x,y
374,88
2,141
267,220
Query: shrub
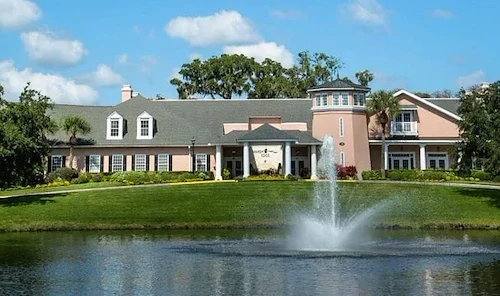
x,y
403,175
346,172
371,175
481,175
291,177
80,180
65,174
226,174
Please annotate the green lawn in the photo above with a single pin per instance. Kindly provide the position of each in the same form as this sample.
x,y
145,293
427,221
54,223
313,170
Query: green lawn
x,y
59,188
246,204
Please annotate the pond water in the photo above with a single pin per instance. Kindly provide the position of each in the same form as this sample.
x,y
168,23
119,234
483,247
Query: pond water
x,y
246,263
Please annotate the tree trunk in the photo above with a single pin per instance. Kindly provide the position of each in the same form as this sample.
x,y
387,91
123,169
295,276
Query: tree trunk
x,y
382,167
70,156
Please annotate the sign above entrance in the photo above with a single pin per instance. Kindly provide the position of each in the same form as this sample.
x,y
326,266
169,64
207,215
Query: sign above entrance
x,y
267,157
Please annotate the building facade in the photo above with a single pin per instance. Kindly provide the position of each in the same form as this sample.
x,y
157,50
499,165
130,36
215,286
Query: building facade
x,y
251,136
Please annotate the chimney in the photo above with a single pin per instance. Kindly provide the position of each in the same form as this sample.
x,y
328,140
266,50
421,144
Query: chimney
x,y
126,92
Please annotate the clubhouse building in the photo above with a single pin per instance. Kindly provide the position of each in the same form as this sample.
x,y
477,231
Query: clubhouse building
x,y
248,136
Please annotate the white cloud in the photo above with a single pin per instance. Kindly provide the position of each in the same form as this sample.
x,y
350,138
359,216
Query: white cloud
x,y
103,76
263,50
368,12
286,14
471,79
123,59
18,13
58,88
442,13
220,28
46,48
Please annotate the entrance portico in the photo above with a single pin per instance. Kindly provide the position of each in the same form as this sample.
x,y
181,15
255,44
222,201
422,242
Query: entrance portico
x,y
268,149
413,154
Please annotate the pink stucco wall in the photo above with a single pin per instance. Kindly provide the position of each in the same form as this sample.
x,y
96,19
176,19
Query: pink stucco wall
x,y
355,139
181,157
427,118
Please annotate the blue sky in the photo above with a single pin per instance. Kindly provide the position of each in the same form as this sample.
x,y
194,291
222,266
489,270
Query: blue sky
x,y
82,52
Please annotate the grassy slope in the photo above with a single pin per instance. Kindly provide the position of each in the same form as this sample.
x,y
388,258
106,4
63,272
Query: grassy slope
x,y
244,204
59,188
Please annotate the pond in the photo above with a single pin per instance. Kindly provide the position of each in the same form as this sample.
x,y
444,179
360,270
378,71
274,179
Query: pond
x,y
246,263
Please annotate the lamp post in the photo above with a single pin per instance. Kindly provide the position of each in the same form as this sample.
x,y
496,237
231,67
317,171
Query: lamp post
x,y
193,155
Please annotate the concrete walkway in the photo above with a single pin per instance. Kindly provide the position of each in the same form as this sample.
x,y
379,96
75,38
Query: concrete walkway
x,y
451,184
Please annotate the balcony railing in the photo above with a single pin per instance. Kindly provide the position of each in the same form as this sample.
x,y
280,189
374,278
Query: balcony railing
x,y
404,128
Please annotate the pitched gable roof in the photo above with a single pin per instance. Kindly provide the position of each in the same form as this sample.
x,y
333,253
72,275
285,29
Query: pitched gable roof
x,y
177,121
266,132
428,103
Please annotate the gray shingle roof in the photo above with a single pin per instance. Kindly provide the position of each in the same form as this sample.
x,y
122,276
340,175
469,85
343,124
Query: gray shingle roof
x,y
177,121
266,132
449,104
340,84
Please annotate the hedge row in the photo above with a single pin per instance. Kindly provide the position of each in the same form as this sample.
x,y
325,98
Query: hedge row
x,y
429,175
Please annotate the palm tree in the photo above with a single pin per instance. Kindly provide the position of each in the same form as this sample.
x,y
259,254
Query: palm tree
x,y
364,77
73,125
383,104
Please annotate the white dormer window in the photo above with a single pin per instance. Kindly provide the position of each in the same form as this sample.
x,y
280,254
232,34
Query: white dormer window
x,y
144,126
114,127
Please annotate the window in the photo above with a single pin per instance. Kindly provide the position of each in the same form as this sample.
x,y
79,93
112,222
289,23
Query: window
x,y
140,162
342,158
340,99
114,127
163,162
56,162
341,126
359,99
321,100
437,160
345,99
201,162
336,99
94,163
145,126
403,123
401,161
117,163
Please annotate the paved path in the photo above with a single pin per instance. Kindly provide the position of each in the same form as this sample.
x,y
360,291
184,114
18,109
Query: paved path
x,y
452,184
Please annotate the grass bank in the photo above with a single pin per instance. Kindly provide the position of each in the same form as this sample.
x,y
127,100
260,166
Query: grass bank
x,y
262,204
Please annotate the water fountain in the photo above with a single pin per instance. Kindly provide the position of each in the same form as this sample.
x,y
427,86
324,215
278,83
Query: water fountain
x,y
324,227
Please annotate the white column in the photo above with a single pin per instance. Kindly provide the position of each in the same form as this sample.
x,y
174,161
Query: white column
x,y
246,160
423,161
314,163
218,162
288,158
386,156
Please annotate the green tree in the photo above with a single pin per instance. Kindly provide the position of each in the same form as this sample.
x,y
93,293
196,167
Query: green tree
x,y
384,106
228,75
364,77
479,129
269,80
23,138
222,76
74,125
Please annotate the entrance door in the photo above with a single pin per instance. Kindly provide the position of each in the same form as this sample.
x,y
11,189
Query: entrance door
x,y
297,166
235,167
401,161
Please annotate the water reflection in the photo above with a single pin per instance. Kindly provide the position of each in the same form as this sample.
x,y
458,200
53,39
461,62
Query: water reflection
x,y
159,263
